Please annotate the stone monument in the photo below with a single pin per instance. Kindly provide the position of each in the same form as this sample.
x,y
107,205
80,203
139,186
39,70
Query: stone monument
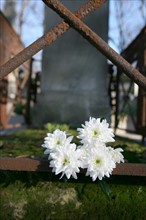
x,y
74,73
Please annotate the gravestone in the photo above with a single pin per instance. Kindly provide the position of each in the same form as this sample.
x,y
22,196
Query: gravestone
x,y
74,73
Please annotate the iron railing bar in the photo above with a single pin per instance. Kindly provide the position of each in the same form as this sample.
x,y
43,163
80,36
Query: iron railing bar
x,y
47,38
42,165
97,42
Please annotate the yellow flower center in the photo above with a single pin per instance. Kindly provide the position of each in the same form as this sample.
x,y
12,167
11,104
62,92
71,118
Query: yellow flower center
x,y
58,142
65,161
97,161
96,133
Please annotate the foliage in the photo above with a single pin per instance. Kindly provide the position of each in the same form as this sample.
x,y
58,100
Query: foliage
x,y
20,108
50,127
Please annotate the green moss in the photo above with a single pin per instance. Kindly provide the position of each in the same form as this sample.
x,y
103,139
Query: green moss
x,y
28,143
26,195
26,198
133,152
25,142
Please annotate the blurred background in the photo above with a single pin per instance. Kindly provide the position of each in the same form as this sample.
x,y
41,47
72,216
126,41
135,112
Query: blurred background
x,y
70,74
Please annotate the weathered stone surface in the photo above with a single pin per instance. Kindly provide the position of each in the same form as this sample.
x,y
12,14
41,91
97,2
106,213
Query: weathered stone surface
x,y
74,78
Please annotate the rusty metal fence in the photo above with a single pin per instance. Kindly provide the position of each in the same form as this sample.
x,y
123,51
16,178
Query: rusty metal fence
x,y
74,21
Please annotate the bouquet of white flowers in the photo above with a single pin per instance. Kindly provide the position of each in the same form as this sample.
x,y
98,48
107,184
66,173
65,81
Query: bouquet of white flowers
x,y
93,155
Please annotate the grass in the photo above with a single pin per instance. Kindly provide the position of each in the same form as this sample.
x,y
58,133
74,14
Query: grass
x,y
28,143
32,195
25,142
133,152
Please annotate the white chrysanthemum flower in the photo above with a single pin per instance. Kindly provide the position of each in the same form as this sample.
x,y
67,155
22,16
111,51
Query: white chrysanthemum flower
x,y
92,155
56,140
95,131
66,160
84,154
85,151
99,163
116,154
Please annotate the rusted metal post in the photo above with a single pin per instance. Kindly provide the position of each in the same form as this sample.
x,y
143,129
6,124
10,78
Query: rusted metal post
x,y
3,103
141,101
28,101
97,42
47,38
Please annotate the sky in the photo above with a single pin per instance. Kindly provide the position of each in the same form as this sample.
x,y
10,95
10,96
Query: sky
x,y
33,16
33,25
131,14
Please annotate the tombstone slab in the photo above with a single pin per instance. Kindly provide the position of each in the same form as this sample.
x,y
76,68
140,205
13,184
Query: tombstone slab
x,y
74,73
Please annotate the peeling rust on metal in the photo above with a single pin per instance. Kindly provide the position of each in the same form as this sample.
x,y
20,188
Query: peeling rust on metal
x,y
47,38
130,169
40,165
97,42
24,164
